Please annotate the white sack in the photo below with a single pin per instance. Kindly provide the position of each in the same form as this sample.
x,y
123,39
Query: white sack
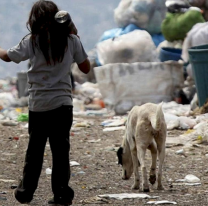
x,y
196,37
136,46
138,83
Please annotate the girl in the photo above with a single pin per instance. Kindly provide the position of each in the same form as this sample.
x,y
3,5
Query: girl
x,y
51,48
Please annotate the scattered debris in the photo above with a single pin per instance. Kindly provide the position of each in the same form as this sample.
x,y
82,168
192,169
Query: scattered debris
x,y
23,117
180,152
94,140
110,129
192,179
189,180
4,180
114,123
81,124
161,202
127,196
9,123
74,163
3,198
81,173
94,200
48,171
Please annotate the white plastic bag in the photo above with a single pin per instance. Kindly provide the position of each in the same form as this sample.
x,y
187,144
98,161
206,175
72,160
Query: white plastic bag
x,y
136,46
6,99
186,122
192,179
172,121
196,37
146,14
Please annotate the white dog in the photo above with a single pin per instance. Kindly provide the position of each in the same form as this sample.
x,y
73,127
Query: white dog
x,y
145,129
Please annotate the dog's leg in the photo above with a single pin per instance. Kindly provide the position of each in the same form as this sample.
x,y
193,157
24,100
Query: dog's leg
x,y
161,156
141,156
153,149
136,184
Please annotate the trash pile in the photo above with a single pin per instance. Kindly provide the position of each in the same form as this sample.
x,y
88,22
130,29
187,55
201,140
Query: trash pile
x,y
127,54
150,35
87,100
136,46
9,100
177,116
143,60
138,32
179,20
146,53
181,29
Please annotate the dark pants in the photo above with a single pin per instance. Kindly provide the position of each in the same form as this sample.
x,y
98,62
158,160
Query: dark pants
x,y
55,125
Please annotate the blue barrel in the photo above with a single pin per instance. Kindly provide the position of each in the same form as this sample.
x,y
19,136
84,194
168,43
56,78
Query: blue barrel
x,y
167,54
198,57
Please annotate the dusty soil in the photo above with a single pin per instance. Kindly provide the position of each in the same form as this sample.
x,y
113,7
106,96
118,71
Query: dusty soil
x,y
102,174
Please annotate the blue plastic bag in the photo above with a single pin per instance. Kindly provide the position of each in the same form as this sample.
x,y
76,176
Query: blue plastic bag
x,y
110,34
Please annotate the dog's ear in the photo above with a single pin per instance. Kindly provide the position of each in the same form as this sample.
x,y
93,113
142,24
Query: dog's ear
x,y
119,154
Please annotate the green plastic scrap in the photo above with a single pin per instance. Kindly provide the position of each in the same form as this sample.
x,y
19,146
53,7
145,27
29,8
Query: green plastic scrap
x,y
22,117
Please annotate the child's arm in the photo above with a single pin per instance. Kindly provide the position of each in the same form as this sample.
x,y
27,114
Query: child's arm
x,y
4,56
85,66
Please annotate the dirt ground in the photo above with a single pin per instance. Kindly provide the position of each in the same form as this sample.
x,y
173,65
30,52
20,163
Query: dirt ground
x,y
99,172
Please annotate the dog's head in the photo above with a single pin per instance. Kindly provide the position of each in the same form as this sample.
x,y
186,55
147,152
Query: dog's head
x,y
125,159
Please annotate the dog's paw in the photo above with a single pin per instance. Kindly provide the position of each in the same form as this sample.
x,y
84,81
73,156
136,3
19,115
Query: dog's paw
x,y
146,190
152,179
160,187
135,187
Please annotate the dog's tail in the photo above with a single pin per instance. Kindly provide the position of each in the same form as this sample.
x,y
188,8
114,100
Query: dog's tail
x,y
157,117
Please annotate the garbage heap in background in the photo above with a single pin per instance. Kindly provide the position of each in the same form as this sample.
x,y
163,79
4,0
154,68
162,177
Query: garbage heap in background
x,y
179,20
10,103
181,17
146,46
140,61
137,36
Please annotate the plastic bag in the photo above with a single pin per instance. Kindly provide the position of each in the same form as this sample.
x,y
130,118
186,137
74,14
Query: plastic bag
x,y
143,13
176,25
197,36
23,117
136,46
110,34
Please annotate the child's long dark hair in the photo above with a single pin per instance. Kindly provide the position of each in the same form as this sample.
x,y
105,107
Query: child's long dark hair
x,y
48,35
